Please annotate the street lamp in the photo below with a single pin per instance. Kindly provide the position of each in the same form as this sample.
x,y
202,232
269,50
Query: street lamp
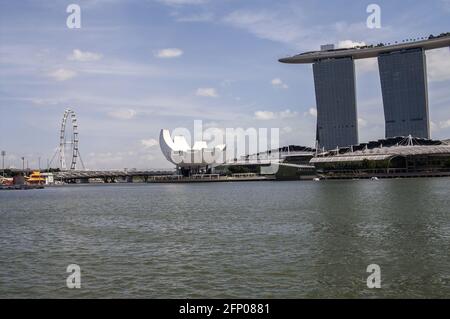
x,y
3,163
23,165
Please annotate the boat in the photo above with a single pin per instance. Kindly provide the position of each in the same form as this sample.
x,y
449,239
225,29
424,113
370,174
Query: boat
x,y
6,181
36,178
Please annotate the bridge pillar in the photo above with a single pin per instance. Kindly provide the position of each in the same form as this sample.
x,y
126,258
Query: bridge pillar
x,y
109,179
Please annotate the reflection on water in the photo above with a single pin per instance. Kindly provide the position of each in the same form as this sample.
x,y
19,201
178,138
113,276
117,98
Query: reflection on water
x,y
257,239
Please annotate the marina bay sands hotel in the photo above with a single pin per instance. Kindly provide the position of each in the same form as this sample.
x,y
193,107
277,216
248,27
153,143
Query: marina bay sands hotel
x,y
403,75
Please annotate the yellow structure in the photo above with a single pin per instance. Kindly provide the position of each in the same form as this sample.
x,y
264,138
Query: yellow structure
x,y
36,178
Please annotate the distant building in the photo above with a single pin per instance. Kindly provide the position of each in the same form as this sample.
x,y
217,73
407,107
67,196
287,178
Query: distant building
x,y
18,180
337,123
403,76
326,47
386,158
49,178
291,162
197,159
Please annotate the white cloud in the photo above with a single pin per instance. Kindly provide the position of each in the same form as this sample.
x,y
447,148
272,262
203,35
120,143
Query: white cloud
x,y
311,112
265,115
264,25
438,64
289,25
169,53
84,56
286,130
278,83
147,143
350,44
123,114
433,126
444,124
202,17
207,92
62,74
269,115
287,114
366,65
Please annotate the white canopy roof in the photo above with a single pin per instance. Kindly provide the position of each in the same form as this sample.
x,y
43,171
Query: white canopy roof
x,y
382,153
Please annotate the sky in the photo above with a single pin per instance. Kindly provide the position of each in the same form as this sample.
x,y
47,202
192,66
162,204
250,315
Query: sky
x,y
137,66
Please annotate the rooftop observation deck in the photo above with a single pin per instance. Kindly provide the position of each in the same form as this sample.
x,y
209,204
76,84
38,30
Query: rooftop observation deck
x,y
363,52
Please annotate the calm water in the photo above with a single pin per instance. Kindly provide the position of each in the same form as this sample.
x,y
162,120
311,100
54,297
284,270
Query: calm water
x,y
256,239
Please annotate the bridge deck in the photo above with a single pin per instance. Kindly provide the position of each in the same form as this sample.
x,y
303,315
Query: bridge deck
x,y
75,174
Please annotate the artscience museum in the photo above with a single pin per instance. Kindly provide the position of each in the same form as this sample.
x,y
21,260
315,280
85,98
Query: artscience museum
x,y
189,160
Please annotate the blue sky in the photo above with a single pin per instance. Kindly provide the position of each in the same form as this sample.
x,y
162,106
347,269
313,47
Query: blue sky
x,y
138,66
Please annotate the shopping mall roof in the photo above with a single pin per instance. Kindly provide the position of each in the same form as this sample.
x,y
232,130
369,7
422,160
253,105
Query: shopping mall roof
x,y
406,148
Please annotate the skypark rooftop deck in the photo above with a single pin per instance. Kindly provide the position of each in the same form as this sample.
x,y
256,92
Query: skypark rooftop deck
x,y
433,42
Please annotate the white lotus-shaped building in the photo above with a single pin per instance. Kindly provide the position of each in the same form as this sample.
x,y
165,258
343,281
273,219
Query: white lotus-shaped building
x,y
179,152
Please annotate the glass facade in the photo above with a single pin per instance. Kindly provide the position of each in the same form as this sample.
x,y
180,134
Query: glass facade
x,y
405,93
337,124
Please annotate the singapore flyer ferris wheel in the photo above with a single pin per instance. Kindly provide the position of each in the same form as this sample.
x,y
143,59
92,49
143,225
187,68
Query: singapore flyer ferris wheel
x,y
68,142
